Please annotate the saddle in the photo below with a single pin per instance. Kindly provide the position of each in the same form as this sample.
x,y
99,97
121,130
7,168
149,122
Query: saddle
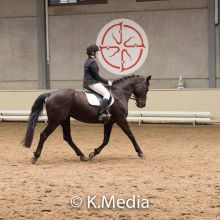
x,y
94,98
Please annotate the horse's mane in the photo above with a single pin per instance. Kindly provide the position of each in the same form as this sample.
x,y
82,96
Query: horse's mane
x,y
117,81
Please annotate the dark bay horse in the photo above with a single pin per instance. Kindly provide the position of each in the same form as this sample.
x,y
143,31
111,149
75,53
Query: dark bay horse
x,y
63,104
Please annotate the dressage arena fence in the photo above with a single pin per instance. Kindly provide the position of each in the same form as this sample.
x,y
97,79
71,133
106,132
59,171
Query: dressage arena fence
x,y
133,116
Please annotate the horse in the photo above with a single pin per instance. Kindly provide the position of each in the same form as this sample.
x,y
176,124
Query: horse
x,y
63,104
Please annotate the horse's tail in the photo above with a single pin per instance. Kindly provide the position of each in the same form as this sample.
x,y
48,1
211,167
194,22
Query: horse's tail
x,y
36,110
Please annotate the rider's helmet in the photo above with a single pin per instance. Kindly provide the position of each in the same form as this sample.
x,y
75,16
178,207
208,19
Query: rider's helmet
x,y
92,49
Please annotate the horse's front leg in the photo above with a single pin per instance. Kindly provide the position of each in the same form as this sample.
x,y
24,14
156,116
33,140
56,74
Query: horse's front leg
x,y
123,124
107,133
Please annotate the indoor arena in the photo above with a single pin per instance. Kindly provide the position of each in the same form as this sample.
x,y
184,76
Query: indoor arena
x,y
110,109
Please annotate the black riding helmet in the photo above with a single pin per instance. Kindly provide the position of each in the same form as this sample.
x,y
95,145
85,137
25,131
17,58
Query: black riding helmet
x,y
91,49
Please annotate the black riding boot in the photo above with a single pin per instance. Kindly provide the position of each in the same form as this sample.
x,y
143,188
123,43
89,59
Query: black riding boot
x,y
103,115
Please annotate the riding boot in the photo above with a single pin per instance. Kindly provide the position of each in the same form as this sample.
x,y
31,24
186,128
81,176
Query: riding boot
x,y
103,115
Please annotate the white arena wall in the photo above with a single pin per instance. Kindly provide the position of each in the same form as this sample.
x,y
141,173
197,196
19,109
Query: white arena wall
x,y
199,100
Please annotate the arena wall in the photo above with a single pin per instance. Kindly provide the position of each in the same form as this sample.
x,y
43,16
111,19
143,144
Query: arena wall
x,y
158,100
173,29
18,48
170,36
177,32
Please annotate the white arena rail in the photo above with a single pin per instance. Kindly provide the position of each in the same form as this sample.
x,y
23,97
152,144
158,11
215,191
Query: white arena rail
x,y
169,116
133,116
19,115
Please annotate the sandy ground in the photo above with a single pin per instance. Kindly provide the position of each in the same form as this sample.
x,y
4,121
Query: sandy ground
x,y
180,175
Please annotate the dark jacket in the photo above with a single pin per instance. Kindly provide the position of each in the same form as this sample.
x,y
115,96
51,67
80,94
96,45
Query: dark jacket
x,y
91,73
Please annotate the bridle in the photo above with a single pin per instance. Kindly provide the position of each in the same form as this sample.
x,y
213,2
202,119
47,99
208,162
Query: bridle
x,y
132,96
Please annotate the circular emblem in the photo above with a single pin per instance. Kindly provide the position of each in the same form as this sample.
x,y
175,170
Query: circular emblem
x,y
123,46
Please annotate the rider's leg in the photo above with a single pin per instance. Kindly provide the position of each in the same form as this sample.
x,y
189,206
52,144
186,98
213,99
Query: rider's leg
x,y
100,89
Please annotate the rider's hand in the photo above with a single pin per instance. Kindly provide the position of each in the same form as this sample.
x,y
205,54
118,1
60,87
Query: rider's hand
x,y
110,83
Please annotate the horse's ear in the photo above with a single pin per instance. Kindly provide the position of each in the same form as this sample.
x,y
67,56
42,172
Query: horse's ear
x,y
148,78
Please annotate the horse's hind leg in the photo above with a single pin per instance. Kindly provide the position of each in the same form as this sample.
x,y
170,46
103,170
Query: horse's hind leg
x,y
107,133
67,137
43,136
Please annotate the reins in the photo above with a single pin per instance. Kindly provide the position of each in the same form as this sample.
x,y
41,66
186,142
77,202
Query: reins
x,y
131,96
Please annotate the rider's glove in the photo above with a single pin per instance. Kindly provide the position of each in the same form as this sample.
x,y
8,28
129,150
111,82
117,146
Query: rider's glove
x,y
110,83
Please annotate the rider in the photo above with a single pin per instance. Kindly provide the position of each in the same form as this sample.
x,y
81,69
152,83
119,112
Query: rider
x,y
93,80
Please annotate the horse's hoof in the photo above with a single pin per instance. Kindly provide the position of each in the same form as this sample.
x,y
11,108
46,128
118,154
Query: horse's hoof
x,y
34,160
84,158
141,155
91,155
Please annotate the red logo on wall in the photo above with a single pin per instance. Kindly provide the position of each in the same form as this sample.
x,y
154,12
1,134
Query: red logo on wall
x,y
123,45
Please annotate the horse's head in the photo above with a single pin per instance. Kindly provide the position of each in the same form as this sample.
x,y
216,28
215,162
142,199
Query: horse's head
x,y
140,92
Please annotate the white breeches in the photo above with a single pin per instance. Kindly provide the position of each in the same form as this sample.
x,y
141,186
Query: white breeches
x,y
100,89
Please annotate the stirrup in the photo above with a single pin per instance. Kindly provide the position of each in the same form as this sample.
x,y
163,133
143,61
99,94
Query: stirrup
x,y
104,117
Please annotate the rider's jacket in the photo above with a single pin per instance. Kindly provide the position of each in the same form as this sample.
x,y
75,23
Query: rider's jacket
x,y
91,73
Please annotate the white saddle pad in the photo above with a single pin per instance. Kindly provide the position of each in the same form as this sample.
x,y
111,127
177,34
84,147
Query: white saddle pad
x,y
94,100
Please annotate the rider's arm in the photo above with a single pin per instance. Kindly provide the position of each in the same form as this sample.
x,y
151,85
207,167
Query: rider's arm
x,y
95,73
